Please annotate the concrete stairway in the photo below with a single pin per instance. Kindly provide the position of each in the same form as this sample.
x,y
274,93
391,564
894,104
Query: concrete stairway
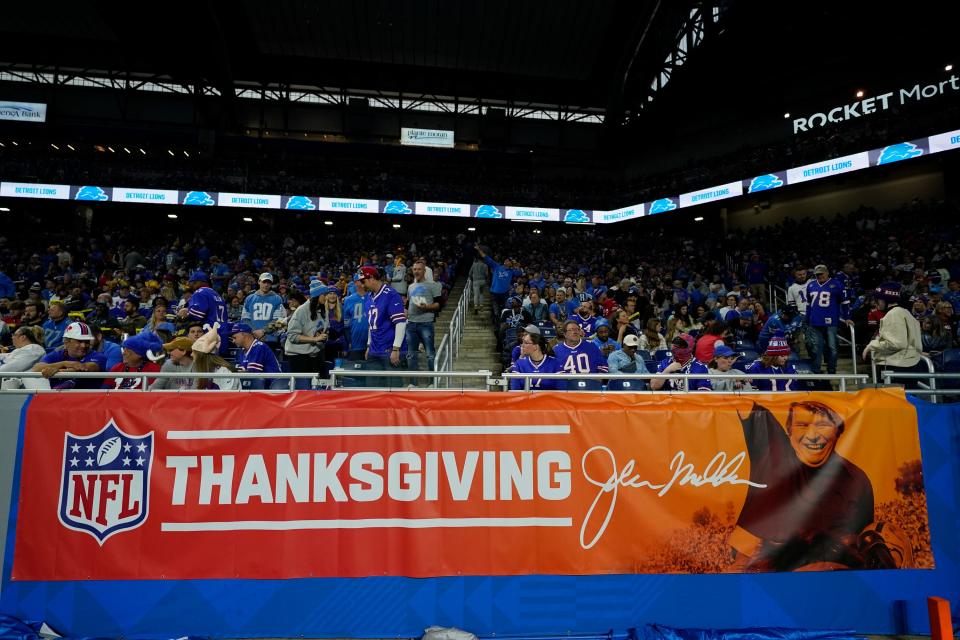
x,y
478,348
442,326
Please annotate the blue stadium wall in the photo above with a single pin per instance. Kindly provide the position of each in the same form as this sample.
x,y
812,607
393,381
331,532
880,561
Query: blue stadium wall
x,y
867,602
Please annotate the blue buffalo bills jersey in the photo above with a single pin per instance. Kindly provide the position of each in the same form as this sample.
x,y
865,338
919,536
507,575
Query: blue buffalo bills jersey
x,y
259,358
355,321
675,384
549,364
850,282
384,311
585,357
700,384
207,306
827,303
756,368
588,324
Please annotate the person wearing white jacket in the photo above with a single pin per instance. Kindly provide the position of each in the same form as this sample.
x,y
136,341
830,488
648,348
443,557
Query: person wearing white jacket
x,y
28,349
899,342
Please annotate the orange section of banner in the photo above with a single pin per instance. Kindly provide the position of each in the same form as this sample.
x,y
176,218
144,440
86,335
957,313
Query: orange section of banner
x,y
358,484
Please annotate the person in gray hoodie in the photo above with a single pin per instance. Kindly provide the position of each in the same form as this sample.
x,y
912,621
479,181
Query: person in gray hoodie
x,y
304,345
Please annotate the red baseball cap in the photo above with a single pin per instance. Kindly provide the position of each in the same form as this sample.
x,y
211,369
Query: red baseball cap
x,y
367,272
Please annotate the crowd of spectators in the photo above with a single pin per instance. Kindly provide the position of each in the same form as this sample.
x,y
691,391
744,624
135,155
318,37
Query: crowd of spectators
x,y
121,301
611,298
680,294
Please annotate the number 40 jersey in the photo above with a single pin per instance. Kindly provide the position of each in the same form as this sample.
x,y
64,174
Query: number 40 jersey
x,y
585,357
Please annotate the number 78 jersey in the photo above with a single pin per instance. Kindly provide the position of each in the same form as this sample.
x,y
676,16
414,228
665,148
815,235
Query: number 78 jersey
x,y
827,303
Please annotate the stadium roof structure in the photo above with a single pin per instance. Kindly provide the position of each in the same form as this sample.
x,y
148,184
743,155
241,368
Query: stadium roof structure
x,y
646,63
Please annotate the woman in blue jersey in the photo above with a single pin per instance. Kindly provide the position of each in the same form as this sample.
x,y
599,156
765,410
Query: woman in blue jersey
x,y
535,358
773,360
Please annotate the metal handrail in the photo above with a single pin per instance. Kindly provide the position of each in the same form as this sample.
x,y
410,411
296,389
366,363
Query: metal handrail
x,y
840,377
853,344
145,375
930,375
456,327
774,300
440,358
931,370
336,374
450,344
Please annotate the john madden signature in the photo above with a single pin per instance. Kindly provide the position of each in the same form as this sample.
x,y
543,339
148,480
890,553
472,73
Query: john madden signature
x,y
717,472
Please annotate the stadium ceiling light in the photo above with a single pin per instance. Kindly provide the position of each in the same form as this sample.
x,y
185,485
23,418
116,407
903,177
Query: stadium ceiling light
x,y
860,93
949,67
248,219
329,223
536,230
170,152
3,145
142,151
698,219
70,146
110,149
55,146
127,150
471,228
396,226
15,143
5,209
185,153
786,115
172,216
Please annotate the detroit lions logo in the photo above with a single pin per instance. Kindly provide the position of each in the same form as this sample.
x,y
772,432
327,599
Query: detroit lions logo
x,y
397,206
898,152
300,203
661,205
488,211
198,198
91,193
576,215
764,182
18,107
105,482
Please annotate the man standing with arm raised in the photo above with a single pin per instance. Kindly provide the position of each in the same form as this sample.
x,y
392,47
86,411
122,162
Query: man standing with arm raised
x,y
502,279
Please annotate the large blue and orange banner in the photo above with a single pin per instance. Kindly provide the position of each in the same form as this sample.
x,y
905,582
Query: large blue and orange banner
x,y
219,485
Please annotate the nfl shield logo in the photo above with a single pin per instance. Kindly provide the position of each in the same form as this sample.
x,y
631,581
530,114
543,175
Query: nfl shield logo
x,y
105,482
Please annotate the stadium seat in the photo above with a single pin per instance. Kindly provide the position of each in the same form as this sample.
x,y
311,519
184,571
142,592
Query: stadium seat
x,y
625,385
584,385
948,361
803,366
661,354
